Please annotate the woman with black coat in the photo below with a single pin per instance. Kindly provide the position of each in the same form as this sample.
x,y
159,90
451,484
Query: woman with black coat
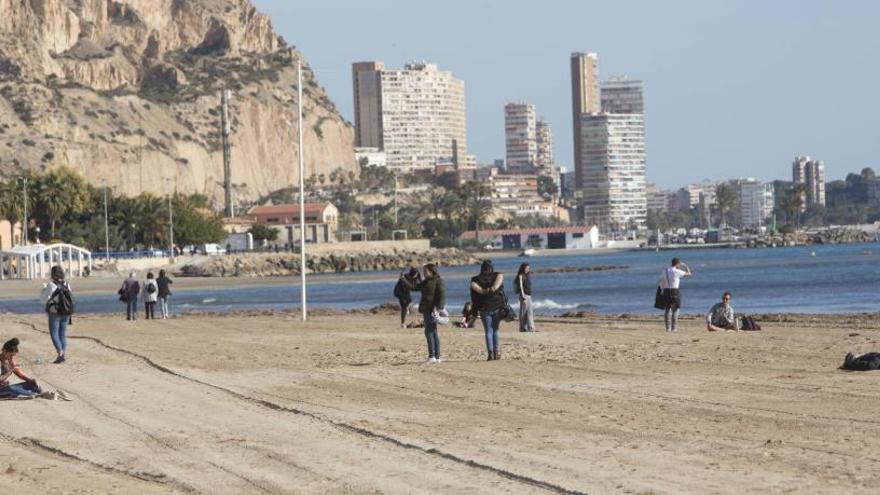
x,y
402,291
433,300
487,297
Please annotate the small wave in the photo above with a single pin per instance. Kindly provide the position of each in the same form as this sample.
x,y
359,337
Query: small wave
x,y
551,304
209,301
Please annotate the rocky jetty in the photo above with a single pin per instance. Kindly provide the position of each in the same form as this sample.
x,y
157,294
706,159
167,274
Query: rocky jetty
x,y
579,269
281,264
825,236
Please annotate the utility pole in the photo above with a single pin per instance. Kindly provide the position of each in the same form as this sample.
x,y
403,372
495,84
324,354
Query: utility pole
x,y
302,193
227,152
395,199
24,223
170,225
106,227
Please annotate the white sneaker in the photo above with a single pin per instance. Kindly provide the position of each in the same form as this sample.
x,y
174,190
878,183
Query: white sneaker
x,y
438,360
432,361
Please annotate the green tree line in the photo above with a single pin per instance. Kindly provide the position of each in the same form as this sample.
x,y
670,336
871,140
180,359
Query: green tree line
x,y
62,206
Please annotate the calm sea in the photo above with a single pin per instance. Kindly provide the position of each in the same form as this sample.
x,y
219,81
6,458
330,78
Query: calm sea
x,y
817,279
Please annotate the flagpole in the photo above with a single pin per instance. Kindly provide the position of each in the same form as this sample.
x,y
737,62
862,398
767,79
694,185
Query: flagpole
x,y
302,196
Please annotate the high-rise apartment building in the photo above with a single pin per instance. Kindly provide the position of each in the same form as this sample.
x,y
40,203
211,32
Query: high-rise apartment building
x,y
613,170
544,159
415,115
811,173
584,100
756,202
622,95
521,137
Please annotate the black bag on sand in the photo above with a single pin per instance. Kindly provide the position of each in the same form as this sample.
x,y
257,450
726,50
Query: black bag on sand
x,y
659,300
748,323
506,313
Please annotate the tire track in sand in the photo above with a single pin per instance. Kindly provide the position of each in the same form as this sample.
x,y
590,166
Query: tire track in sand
x,y
357,430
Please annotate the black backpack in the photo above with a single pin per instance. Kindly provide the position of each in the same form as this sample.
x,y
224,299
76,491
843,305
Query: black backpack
x,y
61,301
151,288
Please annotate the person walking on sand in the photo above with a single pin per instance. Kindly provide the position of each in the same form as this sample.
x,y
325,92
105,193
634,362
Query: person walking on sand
x,y
28,388
670,283
58,302
721,315
433,302
128,294
522,284
403,292
164,284
151,295
487,296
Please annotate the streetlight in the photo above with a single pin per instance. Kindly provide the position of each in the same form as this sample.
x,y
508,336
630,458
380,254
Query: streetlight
x,y
170,225
38,234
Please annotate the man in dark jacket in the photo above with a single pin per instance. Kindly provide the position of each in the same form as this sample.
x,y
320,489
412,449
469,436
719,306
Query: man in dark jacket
x,y
433,300
128,294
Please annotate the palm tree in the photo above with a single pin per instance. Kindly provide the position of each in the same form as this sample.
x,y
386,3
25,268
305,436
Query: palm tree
x,y
59,193
793,202
726,199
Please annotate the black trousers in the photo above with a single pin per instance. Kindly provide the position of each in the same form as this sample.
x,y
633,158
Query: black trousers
x,y
150,309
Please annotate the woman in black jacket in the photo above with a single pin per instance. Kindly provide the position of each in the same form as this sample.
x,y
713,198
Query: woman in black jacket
x,y
433,299
522,284
164,284
402,291
487,296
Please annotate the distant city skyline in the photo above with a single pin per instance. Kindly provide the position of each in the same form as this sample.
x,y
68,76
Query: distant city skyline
x,y
733,89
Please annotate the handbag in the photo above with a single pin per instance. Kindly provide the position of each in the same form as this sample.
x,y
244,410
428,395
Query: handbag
x,y
441,317
506,313
659,300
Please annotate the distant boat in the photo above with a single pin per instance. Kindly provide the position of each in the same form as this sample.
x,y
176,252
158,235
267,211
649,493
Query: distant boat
x,y
527,252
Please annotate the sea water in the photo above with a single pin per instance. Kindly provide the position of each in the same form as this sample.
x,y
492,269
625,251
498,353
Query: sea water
x,y
814,279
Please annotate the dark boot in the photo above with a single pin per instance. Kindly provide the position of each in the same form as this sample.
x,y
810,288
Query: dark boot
x,y
491,357
496,355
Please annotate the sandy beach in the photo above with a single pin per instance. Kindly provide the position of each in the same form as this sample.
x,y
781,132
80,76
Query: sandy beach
x,y
343,404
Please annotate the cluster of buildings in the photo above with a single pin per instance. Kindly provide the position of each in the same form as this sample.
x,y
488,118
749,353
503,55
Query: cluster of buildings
x,y
413,121
756,200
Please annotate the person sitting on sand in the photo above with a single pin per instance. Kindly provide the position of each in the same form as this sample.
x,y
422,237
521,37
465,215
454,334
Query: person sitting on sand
x,y
28,388
865,362
721,316
468,316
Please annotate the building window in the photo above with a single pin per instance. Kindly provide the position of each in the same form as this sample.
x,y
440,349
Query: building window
x,y
577,235
272,220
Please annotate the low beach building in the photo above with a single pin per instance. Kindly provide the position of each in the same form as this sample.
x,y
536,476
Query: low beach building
x,y
577,237
321,221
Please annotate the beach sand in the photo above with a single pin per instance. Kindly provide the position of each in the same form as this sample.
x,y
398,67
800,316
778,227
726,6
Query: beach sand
x,y
343,404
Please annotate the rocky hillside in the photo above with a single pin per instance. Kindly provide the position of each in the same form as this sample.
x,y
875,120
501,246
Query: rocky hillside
x,y
128,92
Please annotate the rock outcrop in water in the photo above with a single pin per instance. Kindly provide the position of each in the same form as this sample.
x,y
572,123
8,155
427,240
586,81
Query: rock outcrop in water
x,y
127,92
281,264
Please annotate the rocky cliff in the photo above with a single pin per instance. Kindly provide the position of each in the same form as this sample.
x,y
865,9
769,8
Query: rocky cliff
x,y
128,92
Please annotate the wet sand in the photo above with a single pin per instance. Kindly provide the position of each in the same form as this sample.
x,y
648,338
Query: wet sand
x,y
343,404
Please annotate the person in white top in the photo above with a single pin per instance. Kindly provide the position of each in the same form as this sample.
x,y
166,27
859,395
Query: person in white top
x,y
151,295
670,282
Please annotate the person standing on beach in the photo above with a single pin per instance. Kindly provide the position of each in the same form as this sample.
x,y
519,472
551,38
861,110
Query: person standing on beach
x,y
433,299
58,302
151,295
128,294
403,292
164,284
670,283
487,297
522,284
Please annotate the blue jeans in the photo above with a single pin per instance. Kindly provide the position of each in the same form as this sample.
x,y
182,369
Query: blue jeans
x,y
431,336
491,322
58,331
19,389
131,309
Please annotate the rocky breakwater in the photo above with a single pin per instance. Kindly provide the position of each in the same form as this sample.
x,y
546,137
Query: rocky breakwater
x,y
281,264
825,236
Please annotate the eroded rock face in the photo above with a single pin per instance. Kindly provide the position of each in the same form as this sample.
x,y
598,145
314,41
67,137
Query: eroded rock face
x,y
128,92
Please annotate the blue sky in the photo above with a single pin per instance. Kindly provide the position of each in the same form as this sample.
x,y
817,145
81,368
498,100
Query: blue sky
x,y
733,88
